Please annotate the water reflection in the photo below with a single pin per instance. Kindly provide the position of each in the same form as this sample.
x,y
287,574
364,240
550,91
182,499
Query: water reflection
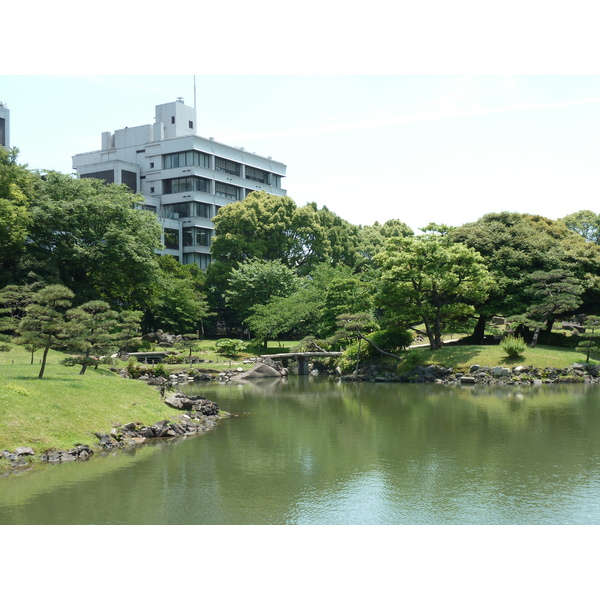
x,y
308,451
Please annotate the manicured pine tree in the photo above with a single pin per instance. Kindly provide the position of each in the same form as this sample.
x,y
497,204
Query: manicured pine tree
x,y
93,329
44,324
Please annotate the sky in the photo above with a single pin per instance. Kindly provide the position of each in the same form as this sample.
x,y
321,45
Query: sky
x,y
419,148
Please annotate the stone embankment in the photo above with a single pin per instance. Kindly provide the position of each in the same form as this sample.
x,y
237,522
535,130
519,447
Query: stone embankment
x,y
476,374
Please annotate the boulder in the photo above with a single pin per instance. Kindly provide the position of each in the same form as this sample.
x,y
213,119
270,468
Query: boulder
x,y
260,370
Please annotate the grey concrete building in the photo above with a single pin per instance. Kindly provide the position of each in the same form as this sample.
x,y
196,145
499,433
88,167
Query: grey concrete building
x,y
184,178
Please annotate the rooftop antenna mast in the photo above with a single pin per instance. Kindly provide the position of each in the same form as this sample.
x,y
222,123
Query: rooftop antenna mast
x,y
194,92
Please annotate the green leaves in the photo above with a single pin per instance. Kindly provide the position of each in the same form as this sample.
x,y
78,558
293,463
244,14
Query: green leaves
x,y
92,329
43,325
428,280
92,237
256,282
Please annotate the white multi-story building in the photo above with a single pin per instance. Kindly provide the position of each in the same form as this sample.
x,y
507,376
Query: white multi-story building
x,y
184,178
4,125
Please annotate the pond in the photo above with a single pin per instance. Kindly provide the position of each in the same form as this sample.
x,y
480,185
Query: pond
x,y
320,451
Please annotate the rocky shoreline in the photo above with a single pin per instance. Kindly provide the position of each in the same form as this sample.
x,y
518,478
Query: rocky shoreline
x,y
201,415
478,375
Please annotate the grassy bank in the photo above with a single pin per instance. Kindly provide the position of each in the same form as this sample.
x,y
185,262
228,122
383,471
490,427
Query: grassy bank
x,y
64,409
462,357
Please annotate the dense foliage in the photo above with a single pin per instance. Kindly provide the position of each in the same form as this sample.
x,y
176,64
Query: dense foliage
x,y
80,253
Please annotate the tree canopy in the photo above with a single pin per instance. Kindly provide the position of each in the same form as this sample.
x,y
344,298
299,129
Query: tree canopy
x,y
92,238
426,280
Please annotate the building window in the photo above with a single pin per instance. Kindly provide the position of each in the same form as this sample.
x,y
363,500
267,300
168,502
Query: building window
x,y
172,120
183,210
191,124
257,175
227,191
202,260
276,180
148,207
189,158
129,178
107,176
152,190
227,166
186,184
196,236
172,239
152,165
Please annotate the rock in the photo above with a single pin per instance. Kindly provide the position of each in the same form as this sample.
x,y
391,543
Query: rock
x,y
474,368
24,451
467,380
175,401
260,370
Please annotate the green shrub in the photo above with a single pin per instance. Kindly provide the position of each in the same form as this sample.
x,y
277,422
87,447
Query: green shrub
x,y
412,359
347,362
513,346
230,347
391,340
160,371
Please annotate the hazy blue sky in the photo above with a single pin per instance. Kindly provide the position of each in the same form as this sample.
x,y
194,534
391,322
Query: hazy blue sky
x,y
417,148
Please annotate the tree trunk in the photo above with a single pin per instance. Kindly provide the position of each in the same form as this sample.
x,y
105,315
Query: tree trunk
x,y
84,365
430,334
536,335
478,334
44,355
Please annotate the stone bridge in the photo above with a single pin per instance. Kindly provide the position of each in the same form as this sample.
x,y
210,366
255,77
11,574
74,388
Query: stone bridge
x,y
302,358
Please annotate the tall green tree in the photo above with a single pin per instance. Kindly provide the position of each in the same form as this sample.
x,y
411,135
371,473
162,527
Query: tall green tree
x,y
256,281
348,295
177,302
554,293
427,280
44,323
372,239
269,227
17,186
584,222
92,238
294,316
514,246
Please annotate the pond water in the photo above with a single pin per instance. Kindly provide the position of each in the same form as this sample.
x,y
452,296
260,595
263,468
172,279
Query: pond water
x,y
319,451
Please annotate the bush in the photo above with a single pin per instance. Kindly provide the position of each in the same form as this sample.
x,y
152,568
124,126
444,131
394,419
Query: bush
x,y
513,346
413,359
230,347
391,340
347,362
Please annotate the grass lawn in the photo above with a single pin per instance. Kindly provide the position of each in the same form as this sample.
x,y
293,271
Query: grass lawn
x,y
64,408
462,357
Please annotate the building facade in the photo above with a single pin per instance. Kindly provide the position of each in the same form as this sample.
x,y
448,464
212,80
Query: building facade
x,y
4,125
184,178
